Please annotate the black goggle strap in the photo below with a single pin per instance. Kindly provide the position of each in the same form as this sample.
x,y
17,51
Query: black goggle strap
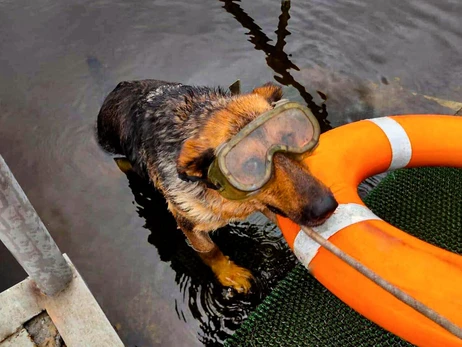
x,y
193,179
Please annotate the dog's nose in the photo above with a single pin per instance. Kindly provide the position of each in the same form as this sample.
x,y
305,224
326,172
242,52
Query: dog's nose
x,y
323,208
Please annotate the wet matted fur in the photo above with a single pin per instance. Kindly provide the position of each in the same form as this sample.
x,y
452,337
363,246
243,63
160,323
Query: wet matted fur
x,y
169,133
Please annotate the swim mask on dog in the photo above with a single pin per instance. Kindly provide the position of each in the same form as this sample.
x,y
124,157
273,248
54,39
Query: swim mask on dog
x,y
244,164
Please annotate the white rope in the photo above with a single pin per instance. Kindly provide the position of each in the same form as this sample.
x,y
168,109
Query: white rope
x,y
393,290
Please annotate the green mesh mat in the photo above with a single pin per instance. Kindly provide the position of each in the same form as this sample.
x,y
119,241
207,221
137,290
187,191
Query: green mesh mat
x,y
425,202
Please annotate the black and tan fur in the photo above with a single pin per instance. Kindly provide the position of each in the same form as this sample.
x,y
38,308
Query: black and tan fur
x,y
169,133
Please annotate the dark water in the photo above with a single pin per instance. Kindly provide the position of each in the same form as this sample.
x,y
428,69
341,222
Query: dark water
x,y
348,60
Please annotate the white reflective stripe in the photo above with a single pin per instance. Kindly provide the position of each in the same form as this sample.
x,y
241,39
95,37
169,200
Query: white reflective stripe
x,y
345,215
401,147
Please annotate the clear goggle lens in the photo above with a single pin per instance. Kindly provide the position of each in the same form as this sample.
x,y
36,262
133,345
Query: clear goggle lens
x,y
249,161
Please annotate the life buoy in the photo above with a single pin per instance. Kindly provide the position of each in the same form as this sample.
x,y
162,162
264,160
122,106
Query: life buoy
x,y
344,158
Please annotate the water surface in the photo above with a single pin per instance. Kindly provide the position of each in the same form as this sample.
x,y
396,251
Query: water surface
x,y
348,60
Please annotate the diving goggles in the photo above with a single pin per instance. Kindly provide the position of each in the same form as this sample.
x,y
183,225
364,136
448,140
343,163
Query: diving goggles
x,y
244,164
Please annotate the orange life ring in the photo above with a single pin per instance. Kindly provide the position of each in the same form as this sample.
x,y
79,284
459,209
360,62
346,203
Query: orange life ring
x,y
344,158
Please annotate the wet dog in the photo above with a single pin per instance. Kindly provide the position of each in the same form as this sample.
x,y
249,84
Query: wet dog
x,y
169,134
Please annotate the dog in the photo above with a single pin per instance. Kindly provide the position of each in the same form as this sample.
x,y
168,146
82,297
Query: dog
x,y
169,133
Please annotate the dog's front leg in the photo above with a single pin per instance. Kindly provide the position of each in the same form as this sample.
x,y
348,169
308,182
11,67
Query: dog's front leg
x,y
227,272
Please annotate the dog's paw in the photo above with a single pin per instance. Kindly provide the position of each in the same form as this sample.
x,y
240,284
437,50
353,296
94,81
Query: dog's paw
x,y
232,275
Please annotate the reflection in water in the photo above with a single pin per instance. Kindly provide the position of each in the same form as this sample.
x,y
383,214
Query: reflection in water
x,y
279,61
257,244
364,99
276,58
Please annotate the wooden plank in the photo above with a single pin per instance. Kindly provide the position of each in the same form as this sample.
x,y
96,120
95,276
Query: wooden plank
x,y
74,311
18,304
78,317
19,339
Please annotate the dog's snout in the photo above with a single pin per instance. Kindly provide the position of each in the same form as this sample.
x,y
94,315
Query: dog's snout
x,y
323,208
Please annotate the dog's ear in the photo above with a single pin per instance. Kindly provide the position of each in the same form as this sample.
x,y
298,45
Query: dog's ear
x,y
194,160
269,91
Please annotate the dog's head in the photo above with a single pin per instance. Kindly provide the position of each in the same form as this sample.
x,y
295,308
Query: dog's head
x,y
293,192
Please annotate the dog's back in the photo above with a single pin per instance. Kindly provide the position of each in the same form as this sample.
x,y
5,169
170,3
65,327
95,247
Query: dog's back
x,y
147,121
114,118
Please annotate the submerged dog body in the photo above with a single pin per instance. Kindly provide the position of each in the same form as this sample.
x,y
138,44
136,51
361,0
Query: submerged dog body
x,y
169,133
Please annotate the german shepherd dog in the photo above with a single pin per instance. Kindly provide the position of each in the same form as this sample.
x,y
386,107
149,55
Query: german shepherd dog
x,y
169,133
